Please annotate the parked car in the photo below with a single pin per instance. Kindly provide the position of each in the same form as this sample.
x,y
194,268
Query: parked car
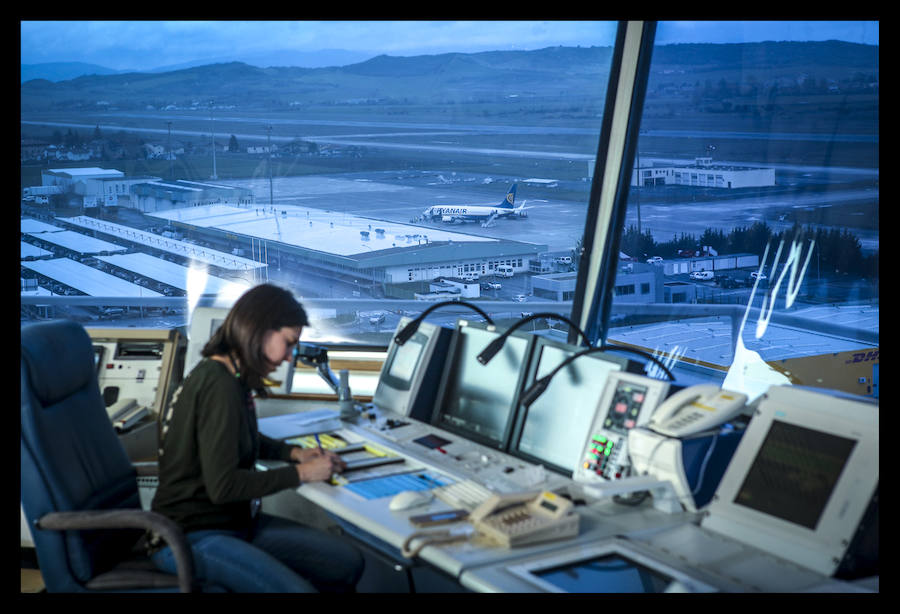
x,y
702,275
519,298
655,260
758,275
738,282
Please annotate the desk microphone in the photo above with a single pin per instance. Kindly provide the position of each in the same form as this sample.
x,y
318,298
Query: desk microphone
x,y
410,329
540,385
495,346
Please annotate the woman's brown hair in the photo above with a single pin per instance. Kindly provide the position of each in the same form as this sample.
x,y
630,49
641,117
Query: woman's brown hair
x,y
262,308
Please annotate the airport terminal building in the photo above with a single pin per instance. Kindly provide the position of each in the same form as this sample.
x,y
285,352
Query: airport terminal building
x,y
110,187
367,251
702,173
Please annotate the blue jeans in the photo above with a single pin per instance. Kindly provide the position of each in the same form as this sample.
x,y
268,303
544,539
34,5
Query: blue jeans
x,y
279,556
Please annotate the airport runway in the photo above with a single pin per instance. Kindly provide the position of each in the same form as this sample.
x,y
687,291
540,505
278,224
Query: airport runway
x,y
556,223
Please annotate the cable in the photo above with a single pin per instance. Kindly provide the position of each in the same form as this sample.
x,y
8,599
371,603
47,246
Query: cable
x,y
433,537
709,452
494,346
410,329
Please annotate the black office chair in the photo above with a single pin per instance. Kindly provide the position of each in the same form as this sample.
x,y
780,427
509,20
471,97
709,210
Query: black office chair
x,y
79,489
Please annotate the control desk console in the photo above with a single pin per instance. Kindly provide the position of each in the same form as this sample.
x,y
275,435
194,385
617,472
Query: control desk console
x,y
461,458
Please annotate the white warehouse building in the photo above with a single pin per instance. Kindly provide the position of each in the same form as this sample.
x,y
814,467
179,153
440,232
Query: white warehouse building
x,y
96,186
702,173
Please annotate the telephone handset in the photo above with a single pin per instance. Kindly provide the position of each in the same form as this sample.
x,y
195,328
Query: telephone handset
x,y
696,409
525,518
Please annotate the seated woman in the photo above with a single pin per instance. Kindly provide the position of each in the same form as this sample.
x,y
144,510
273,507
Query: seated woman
x,y
209,445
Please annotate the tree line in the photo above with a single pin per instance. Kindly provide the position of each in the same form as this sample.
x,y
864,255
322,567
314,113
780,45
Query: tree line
x,y
837,252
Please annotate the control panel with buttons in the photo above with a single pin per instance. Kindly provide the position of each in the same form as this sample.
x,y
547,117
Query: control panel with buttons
x,y
627,401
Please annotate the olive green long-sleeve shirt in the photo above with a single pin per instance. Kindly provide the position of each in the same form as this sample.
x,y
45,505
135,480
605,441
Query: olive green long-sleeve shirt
x,y
207,475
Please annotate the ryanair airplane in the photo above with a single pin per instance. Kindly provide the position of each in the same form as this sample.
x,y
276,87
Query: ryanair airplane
x,y
486,214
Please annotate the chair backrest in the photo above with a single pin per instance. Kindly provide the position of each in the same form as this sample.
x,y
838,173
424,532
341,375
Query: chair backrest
x,y
71,457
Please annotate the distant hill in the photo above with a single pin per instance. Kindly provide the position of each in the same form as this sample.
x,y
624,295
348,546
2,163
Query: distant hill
x,y
62,71
449,78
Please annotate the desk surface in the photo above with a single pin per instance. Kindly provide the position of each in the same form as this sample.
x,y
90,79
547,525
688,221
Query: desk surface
x,y
469,460
484,567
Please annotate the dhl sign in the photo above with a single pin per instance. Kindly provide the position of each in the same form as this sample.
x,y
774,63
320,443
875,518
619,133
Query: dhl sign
x,y
850,371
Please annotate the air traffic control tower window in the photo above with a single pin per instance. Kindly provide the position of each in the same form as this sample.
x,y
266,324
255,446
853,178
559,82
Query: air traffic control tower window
x,y
356,178
778,122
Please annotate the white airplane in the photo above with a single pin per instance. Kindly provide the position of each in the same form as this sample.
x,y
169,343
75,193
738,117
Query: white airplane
x,y
486,214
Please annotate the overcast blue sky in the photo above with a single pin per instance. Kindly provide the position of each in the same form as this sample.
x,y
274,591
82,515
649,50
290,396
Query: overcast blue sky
x,y
142,45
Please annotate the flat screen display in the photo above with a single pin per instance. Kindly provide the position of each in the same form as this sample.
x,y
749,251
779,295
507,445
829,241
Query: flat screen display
x,y
406,358
794,473
556,424
479,400
611,573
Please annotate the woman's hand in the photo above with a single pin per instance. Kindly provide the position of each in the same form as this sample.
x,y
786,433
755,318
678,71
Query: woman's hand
x,y
300,455
316,465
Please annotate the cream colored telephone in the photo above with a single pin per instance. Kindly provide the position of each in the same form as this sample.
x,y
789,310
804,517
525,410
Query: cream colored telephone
x,y
696,409
525,518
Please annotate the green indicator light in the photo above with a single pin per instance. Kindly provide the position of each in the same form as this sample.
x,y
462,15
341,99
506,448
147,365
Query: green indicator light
x,y
607,451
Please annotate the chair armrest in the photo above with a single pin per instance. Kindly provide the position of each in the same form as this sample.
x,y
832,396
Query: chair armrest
x,y
168,530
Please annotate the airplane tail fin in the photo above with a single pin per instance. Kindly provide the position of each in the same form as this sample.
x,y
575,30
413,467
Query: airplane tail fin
x,y
509,201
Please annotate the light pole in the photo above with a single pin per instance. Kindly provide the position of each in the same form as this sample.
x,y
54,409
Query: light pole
x,y
171,166
212,120
269,160
637,193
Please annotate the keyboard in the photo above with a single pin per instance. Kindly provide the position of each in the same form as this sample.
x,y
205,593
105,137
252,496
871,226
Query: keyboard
x,y
465,494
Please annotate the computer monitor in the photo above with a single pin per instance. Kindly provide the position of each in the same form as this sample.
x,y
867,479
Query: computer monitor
x,y
204,322
475,400
411,372
613,565
552,430
802,479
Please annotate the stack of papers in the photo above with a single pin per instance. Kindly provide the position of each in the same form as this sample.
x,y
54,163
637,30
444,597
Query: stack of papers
x,y
300,423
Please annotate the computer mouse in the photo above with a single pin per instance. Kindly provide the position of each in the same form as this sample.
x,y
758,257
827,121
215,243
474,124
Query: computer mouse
x,y
410,498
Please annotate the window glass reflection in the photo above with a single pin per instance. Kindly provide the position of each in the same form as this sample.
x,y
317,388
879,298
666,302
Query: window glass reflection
x,y
753,208
368,181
